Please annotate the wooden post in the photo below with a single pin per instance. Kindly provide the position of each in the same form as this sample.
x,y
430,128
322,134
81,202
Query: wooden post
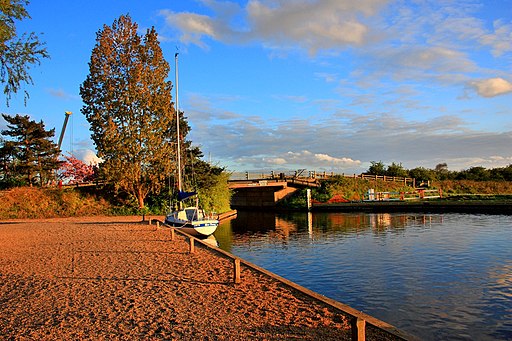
x,y
236,276
192,247
149,219
358,329
172,233
157,224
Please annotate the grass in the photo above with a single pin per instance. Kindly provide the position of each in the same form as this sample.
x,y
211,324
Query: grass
x,y
354,190
36,203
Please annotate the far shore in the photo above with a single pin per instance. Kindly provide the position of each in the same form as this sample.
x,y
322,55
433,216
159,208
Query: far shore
x,y
426,206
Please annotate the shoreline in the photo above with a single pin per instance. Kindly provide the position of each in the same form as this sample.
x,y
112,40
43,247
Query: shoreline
x,y
427,206
118,277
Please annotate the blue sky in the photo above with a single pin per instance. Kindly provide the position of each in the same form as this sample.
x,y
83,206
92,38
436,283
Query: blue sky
x,y
287,84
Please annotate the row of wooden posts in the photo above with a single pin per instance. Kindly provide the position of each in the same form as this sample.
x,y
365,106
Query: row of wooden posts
x,y
192,248
358,319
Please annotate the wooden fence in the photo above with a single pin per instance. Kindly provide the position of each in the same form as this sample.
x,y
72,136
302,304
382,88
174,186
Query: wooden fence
x,y
359,320
403,196
320,176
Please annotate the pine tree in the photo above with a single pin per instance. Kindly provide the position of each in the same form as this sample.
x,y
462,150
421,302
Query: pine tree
x,y
17,53
30,155
127,102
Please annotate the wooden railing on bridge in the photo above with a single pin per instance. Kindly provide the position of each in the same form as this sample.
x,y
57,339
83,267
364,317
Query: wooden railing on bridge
x,y
311,176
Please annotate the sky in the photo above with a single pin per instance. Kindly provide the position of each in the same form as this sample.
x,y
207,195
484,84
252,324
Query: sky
x,y
325,85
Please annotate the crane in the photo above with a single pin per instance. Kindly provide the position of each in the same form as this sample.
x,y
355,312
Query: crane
x,y
67,113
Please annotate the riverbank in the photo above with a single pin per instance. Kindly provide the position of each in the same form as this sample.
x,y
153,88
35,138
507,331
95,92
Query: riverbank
x,y
118,278
421,206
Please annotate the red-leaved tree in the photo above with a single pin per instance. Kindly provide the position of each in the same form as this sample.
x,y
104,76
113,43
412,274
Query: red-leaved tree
x,y
74,170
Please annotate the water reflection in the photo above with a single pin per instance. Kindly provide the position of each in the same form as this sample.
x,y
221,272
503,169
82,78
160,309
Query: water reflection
x,y
257,224
436,276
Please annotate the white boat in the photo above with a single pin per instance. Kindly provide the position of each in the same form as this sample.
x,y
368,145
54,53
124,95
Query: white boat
x,y
191,220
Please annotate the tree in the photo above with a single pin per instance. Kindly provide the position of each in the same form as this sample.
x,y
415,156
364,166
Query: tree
x,y
377,168
474,173
442,171
422,173
396,169
30,155
17,53
127,102
210,182
76,171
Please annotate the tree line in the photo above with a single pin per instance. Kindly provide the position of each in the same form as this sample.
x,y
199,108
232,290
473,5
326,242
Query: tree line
x,y
441,172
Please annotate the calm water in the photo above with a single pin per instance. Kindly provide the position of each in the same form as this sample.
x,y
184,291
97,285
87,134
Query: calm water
x,y
435,276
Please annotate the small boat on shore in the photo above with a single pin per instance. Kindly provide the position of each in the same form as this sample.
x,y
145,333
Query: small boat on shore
x,y
191,220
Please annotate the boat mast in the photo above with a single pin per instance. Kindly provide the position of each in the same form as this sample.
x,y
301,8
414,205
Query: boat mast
x,y
180,185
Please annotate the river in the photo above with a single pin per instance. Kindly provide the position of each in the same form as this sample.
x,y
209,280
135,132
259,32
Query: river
x,y
436,276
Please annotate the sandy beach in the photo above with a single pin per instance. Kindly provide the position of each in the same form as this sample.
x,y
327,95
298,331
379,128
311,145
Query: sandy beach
x,y
118,278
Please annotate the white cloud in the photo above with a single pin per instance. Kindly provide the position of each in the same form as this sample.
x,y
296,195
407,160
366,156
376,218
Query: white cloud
x,y
275,160
397,56
492,87
500,40
312,25
347,142
301,159
62,94
87,156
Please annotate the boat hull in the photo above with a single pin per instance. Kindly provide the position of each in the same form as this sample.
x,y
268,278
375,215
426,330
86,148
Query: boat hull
x,y
202,228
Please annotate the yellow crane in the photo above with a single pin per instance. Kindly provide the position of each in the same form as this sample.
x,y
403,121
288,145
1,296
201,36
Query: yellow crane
x,y
67,113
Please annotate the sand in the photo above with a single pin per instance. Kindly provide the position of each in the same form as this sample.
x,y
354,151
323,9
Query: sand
x,y
119,279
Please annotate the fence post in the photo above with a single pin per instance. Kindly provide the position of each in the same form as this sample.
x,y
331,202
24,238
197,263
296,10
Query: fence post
x,y
236,276
192,247
358,329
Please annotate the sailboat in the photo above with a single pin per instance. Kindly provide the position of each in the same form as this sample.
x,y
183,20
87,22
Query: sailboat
x,y
192,219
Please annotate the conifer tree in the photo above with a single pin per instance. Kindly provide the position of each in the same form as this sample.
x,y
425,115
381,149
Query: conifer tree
x,y
127,102
30,154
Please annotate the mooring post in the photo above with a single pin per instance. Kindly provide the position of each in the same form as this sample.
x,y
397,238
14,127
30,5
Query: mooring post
x,y
358,329
192,247
308,198
237,270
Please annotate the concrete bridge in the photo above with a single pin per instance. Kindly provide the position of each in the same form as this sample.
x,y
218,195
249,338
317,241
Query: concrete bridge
x,y
260,193
265,190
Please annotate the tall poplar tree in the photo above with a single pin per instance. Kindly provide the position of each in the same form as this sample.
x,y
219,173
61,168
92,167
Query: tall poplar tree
x,y
127,102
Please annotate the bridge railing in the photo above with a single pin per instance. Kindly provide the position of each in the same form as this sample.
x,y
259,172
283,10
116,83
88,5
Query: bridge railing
x,y
318,175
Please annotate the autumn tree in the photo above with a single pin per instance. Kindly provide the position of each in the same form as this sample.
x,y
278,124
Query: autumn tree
x,y
127,102
17,52
29,154
75,171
